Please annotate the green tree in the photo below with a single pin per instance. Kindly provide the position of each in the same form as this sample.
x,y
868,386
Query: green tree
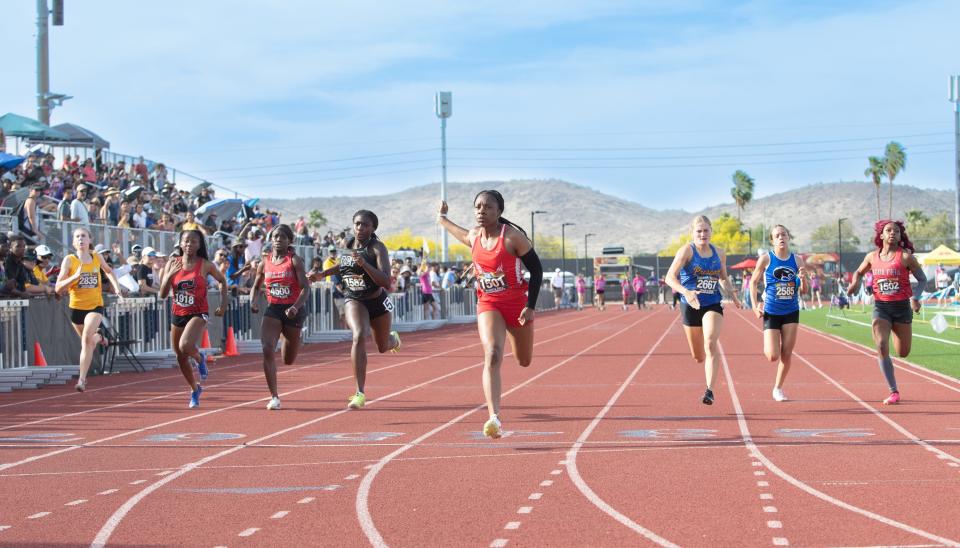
x,y
728,235
875,172
894,161
317,219
824,238
742,190
928,232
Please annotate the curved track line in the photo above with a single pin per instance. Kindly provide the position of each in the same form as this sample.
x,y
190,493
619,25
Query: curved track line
x,y
907,366
108,528
757,454
571,457
363,493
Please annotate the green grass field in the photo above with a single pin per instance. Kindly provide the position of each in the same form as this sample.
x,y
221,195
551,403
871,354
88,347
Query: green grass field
x,y
934,354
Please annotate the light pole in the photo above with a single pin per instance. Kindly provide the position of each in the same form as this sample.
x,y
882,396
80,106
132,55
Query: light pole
x,y
443,106
955,99
563,255
586,254
46,100
532,233
840,250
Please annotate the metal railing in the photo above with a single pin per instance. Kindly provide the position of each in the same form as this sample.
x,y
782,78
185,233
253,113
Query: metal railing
x,y
13,344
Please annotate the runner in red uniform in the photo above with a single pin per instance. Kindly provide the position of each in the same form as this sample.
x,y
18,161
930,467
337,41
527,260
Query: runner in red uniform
x,y
283,276
186,278
505,302
895,301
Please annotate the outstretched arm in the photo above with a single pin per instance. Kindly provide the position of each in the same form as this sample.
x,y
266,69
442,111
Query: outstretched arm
x,y
453,228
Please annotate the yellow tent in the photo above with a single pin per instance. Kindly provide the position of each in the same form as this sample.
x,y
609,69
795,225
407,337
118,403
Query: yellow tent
x,y
942,255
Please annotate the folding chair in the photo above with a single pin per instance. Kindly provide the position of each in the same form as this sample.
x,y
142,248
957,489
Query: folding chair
x,y
115,346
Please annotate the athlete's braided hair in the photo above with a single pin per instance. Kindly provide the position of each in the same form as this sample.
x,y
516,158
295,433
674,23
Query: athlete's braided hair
x,y
499,199
904,242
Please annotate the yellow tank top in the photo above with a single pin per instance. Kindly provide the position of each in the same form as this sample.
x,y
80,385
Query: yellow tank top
x,y
85,293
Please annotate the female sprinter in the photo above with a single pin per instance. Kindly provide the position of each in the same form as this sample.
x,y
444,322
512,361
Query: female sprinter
x,y
894,301
702,272
785,279
81,277
505,303
365,274
287,288
186,277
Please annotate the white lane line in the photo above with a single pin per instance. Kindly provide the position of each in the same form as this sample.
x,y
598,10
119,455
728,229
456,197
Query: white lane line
x,y
929,338
525,509
39,515
757,454
114,520
770,509
75,502
363,493
306,500
5,527
280,514
138,482
108,492
248,532
512,525
775,525
499,543
574,472
546,483
352,477
164,473
535,496
766,496
780,541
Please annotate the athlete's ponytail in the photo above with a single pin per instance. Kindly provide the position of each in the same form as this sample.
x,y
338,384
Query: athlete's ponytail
x,y
497,197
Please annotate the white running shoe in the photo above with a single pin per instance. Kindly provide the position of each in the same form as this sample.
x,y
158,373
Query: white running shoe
x,y
492,428
273,404
778,395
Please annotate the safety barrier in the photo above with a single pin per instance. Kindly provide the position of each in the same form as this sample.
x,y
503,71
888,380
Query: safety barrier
x,y
13,346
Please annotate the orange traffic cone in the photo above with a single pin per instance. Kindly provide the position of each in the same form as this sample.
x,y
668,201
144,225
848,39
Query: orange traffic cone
x,y
38,359
231,349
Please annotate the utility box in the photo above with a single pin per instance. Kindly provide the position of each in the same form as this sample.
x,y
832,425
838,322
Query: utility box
x,y
58,13
443,104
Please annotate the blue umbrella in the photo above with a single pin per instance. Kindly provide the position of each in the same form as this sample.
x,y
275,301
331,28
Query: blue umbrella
x,y
9,161
223,207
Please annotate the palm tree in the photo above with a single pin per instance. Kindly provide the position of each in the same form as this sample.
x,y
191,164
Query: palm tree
x,y
742,190
894,161
875,172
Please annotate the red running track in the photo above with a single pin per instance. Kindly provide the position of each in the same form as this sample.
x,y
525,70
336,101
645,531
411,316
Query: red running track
x,y
607,444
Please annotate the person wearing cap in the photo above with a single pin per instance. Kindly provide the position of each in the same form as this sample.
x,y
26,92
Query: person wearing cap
x,y
237,265
80,277
331,259
254,243
146,271
78,207
35,286
42,271
110,211
63,209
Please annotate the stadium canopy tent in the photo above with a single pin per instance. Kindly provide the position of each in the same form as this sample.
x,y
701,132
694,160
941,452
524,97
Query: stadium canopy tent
x,y
81,137
746,264
14,125
941,255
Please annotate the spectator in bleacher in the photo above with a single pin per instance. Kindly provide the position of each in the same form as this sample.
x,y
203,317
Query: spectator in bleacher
x,y
63,210
140,169
237,266
36,285
165,223
15,269
139,217
31,215
6,284
210,223
78,207
160,177
147,271
43,270
88,171
204,197
254,243
190,223
110,211
331,260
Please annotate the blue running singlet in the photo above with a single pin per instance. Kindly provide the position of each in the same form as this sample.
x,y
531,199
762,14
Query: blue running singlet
x,y
782,285
703,276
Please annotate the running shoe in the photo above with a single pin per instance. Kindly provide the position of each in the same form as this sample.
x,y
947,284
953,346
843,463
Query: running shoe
x,y
492,428
396,335
195,397
357,401
778,394
202,366
81,385
892,399
274,404
707,397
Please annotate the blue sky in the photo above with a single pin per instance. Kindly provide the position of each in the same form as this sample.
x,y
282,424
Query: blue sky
x,y
658,102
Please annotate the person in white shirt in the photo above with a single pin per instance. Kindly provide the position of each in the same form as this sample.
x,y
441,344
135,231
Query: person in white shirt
x,y
78,209
557,285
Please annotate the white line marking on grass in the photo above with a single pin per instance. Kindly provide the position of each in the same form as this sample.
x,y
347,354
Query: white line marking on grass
x,y
748,439
929,338
280,514
75,502
39,515
248,532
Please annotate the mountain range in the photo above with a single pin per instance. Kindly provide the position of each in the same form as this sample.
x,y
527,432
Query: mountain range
x,y
616,221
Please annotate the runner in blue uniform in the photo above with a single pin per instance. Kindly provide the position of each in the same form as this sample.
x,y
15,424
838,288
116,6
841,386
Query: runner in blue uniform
x,y
785,279
697,274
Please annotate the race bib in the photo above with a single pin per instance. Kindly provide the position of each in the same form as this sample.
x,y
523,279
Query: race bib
x,y
354,282
707,284
888,287
492,283
279,291
183,299
88,280
786,291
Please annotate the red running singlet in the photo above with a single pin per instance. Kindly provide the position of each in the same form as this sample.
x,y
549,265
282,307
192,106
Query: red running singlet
x,y
891,281
190,290
283,286
500,283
